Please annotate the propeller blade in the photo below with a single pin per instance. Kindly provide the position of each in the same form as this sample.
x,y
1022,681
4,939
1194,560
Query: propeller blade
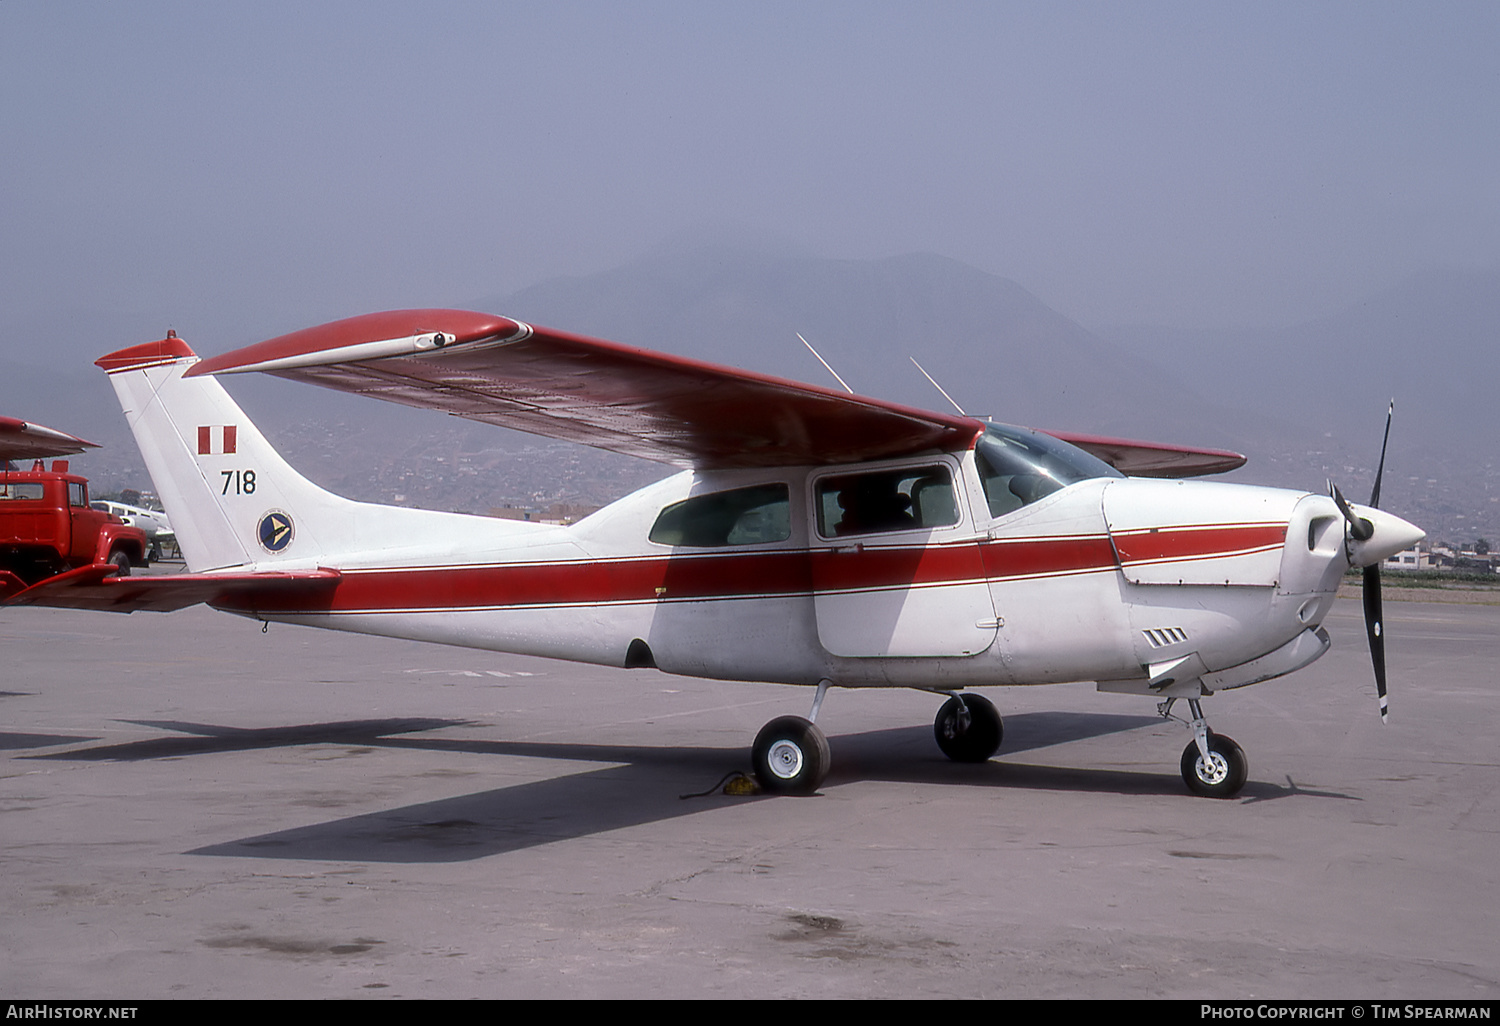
x,y
1380,469
1359,528
1370,590
1375,632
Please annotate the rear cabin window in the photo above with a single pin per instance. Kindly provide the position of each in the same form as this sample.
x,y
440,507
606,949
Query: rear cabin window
x,y
742,516
887,500
20,490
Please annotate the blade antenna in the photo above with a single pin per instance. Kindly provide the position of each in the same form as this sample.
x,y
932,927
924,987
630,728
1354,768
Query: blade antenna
x,y
825,364
935,385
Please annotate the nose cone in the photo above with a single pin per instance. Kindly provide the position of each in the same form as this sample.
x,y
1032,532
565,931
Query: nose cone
x,y
1392,535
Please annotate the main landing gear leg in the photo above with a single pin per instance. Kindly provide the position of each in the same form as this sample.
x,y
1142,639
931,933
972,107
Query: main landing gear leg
x,y
791,754
1212,764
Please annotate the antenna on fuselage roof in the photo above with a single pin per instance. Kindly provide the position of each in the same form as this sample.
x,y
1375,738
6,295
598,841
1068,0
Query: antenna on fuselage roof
x,y
826,365
935,385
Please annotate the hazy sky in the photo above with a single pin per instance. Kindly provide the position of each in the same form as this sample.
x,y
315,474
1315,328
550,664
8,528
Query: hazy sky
x,y
239,170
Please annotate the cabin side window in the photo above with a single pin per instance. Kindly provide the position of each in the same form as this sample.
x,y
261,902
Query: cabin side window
x,y
741,516
909,499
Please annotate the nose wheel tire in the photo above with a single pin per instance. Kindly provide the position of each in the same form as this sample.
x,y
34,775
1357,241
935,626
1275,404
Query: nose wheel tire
x,y
1222,774
968,731
791,756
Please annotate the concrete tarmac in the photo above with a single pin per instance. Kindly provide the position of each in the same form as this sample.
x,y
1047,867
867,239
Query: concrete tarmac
x,y
191,808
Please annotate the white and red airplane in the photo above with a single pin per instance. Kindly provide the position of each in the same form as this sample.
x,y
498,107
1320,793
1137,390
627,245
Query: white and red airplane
x,y
812,537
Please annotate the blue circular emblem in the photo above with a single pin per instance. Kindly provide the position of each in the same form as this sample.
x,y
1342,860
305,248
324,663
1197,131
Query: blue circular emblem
x,y
275,531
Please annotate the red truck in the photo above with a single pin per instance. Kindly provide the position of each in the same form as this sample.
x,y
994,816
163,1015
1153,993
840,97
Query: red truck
x,y
46,525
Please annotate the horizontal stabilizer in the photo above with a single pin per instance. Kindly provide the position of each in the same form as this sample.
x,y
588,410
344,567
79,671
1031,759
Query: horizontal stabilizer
x,y
94,587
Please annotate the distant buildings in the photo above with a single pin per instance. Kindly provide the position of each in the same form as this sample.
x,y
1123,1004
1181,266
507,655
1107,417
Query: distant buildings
x,y
1445,557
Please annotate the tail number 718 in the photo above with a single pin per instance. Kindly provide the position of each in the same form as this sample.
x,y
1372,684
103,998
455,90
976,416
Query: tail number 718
x,y
243,482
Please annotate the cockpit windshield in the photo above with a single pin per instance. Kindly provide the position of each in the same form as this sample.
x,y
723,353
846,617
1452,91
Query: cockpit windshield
x,y
1019,466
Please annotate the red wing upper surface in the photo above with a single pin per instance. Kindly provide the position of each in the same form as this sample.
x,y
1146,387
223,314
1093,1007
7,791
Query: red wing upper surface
x,y
1150,459
634,401
665,408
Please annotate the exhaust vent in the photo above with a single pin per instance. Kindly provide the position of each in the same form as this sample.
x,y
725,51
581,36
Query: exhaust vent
x,y
1161,637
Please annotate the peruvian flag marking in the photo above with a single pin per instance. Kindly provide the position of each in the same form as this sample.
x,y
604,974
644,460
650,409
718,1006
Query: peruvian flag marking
x,y
227,435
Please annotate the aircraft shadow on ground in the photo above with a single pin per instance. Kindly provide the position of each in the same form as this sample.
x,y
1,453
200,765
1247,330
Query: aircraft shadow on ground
x,y
640,784
10,742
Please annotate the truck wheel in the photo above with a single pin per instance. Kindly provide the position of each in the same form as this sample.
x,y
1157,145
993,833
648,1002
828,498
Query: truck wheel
x,y
120,560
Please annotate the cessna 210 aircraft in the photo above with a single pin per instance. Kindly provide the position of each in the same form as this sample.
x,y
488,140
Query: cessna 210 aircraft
x,y
812,537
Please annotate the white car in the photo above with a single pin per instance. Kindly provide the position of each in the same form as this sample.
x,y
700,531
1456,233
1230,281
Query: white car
x,y
152,522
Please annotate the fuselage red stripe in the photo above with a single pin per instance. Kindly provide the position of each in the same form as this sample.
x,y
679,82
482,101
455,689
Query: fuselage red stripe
x,y
753,574
1197,542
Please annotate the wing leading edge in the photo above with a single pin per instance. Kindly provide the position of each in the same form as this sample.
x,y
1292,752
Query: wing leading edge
x,y
666,408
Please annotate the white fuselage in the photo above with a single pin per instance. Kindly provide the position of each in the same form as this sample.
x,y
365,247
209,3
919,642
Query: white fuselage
x,y
1103,580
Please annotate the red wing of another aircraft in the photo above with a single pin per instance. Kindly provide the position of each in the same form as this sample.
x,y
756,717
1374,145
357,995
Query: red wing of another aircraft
x,y
634,401
22,441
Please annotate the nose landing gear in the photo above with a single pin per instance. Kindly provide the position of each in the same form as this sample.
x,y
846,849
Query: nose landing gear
x,y
1213,765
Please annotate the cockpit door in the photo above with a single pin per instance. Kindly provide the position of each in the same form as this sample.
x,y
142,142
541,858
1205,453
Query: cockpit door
x,y
896,566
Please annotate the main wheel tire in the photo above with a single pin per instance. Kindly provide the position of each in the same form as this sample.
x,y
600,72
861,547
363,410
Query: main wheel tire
x,y
1222,775
974,741
120,560
791,756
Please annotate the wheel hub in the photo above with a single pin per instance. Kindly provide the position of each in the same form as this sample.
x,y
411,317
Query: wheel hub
x,y
785,759
1214,769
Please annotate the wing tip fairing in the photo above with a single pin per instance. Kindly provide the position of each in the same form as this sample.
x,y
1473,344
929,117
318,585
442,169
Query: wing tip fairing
x,y
366,337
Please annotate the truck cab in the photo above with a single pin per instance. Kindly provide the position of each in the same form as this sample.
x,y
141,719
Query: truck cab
x,y
47,526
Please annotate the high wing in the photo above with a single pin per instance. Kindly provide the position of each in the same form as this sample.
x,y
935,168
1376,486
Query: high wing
x,y
22,441
1153,459
634,401
91,587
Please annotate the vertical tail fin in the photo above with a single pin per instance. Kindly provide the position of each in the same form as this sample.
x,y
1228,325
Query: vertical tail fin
x,y
232,499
